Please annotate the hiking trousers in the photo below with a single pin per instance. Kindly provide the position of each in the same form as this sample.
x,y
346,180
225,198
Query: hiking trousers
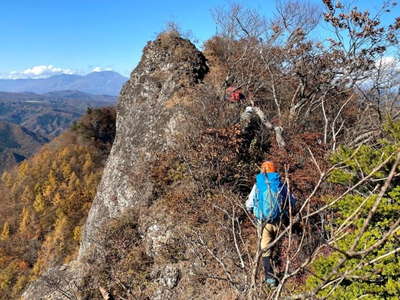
x,y
269,233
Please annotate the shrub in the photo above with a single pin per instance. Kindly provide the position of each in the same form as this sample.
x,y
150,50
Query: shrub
x,y
375,273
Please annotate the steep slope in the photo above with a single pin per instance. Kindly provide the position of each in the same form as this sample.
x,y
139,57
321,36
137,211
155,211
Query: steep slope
x,y
168,221
101,83
16,144
46,198
151,114
146,125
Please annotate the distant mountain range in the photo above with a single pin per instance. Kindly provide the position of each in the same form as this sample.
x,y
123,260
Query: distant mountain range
x,y
34,111
98,83
16,144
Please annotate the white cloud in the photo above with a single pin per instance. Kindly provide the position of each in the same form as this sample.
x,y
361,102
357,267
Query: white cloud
x,y
388,63
36,72
386,75
100,69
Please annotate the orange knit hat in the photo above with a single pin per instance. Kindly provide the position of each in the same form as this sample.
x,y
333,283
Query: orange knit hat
x,y
268,167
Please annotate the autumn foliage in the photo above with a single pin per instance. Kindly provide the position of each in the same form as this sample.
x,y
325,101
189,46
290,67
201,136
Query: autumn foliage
x,y
305,105
46,200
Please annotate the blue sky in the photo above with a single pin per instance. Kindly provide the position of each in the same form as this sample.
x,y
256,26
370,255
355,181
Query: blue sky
x,y
77,36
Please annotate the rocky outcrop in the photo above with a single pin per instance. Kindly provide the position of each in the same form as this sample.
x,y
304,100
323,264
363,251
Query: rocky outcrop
x,y
147,123
150,116
57,283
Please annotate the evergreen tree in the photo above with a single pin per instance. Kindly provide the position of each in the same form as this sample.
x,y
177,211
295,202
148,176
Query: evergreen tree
x,y
364,261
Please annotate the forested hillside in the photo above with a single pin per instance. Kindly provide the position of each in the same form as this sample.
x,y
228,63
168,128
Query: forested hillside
x,y
29,120
45,200
16,144
49,114
168,219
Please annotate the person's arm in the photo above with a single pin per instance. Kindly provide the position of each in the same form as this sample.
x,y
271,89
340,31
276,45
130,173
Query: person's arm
x,y
250,199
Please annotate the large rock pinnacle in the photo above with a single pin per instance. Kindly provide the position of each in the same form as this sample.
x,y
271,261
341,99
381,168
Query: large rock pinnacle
x,y
149,117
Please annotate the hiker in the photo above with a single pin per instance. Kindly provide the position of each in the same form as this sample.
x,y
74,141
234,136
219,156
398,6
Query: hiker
x,y
269,201
234,94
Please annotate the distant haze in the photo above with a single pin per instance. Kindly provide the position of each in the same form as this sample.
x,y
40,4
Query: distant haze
x,y
48,114
98,83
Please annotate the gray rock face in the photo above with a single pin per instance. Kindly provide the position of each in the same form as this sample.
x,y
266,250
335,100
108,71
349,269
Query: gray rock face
x,y
146,124
167,278
58,283
157,237
170,276
149,118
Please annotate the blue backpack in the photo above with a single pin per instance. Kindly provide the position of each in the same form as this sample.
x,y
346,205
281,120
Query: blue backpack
x,y
267,203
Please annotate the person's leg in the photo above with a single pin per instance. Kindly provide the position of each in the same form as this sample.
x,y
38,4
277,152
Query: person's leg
x,y
268,236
